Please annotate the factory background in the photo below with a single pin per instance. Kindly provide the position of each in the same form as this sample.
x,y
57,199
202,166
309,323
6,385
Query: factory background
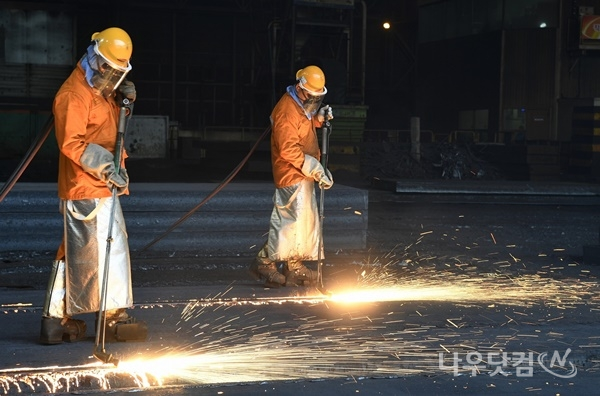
x,y
516,81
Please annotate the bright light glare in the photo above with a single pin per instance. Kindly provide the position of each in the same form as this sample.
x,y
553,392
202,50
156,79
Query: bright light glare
x,y
386,25
401,293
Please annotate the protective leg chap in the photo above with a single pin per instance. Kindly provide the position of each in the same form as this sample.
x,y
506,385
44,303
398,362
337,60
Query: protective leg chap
x,y
54,304
293,235
56,328
85,250
294,225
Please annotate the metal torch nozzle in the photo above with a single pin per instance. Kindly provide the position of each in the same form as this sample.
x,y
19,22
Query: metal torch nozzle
x,y
107,358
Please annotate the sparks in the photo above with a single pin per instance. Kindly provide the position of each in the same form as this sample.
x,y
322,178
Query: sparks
x,y
316,337
401,293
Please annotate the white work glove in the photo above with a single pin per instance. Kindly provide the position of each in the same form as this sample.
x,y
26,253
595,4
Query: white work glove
x,y
313,168
127,90
99,162
330,176
325,113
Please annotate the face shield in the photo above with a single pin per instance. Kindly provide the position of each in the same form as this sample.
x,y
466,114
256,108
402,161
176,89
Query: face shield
x,y
107,75
312,102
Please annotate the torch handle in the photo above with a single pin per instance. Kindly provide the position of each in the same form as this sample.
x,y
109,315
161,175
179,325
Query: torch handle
x,y
124,114
325,143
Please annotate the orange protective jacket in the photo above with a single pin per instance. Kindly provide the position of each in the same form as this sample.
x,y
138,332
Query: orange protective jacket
x,y
81,117
292,136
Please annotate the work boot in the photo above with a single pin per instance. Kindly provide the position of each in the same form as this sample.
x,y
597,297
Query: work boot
x,y
297,272
121,327
267,271
57,330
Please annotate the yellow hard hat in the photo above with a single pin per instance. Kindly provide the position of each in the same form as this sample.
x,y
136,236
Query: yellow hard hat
x,y
312,79
115,46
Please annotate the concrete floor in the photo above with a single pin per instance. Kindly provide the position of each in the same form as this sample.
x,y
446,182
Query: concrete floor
x,y
464,276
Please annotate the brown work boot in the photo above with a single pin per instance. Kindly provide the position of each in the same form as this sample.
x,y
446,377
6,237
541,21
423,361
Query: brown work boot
x,y
267,271
120,327
298,273
57,330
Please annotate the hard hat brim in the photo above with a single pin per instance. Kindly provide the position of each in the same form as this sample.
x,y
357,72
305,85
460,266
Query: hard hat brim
x,y
310,91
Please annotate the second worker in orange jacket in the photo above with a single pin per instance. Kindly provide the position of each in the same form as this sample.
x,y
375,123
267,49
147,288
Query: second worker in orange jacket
x,y
294,231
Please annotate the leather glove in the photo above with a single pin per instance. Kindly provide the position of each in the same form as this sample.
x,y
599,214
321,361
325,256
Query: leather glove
x,y
125,176
313,168
325,113
99,162
127,90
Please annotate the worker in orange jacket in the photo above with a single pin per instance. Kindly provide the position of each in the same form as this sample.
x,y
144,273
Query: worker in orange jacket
x,y
294,230
85,120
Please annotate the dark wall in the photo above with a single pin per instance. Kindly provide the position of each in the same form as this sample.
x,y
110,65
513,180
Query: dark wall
x,y
391,64
200,64
455,75
226,62
529,79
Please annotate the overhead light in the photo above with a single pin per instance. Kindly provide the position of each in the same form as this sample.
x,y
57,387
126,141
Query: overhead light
x,y
543,25
386,25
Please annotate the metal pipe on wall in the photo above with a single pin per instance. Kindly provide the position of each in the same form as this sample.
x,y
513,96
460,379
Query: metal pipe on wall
x,y
364,53
173,65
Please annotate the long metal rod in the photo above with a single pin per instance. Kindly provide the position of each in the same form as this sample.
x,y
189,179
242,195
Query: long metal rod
x,y
320,260
101,324
326,130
